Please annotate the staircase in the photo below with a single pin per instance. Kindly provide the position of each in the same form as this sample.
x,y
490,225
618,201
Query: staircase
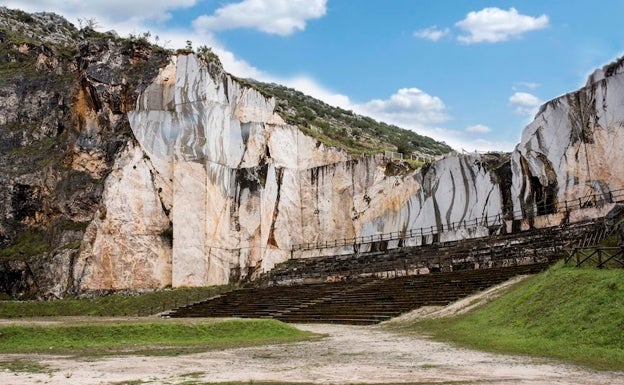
x,y
363,301
348,289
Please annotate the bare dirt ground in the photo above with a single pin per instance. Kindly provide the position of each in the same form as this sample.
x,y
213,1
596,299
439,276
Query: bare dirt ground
x,y
349,354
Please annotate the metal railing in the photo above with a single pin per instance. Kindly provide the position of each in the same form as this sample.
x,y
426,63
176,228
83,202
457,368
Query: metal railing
x,y
594,200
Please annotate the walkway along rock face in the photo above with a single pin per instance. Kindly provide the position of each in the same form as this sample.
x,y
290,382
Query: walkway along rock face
x,y
171,172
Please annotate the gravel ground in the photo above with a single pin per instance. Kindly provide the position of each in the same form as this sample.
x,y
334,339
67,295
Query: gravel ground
x,y
349,354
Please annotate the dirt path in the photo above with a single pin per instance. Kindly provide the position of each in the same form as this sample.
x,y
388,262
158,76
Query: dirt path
x,y
350,354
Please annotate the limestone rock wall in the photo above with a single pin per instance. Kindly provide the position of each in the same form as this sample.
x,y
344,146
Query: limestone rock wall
x,y
128,244
240,187
127,168
243,187
574,147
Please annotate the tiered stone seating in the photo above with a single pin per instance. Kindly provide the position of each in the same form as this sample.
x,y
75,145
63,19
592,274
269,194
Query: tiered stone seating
x,y
348,289
537,245
364,301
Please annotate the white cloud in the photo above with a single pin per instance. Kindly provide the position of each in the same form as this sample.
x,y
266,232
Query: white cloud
x,y
460,140
478,129
279,17
525,103
432,33
492,25
484,145
408,107
110,11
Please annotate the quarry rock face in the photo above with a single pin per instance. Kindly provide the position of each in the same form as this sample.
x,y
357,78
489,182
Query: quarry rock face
x,y
242,185
128,244
125,167
573,148
248,188
244,188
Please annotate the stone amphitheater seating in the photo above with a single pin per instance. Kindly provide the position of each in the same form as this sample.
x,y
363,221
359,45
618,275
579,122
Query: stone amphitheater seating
x,y
362,301
537,245
348,288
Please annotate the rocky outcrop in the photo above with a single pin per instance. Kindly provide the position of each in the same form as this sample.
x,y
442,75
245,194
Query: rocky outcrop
x,y
127,167
573,148
128,243
64,95
244,187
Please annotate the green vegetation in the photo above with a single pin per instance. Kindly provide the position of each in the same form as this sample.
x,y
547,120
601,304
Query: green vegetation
x,y
111,305
163,337
567,313
591,257
27,244
206,53
23,366
337,127
39,153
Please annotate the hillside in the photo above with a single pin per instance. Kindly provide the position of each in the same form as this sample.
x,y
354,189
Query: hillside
x,y
63,107
65,96
128,167
338,127
567,313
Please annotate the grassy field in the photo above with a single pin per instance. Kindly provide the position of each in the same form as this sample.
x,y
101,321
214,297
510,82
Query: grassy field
x,y
111,305
154,337
82,327
567,313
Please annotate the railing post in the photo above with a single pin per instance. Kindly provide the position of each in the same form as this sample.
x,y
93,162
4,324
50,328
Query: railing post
x,y
599,258
578,257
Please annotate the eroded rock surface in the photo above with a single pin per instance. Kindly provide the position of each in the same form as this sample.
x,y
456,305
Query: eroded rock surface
x,y
127,167
244,187
573,148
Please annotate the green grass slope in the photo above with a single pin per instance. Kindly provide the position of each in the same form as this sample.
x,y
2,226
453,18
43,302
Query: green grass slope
x,y
162,337
111,305
566,313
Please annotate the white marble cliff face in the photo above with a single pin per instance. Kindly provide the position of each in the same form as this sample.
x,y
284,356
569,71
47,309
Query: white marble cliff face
x,y
219,153
126,246
574,147
240,187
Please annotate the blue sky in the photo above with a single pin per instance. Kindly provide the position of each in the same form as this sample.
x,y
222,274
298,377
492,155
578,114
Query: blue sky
x,y
471,73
